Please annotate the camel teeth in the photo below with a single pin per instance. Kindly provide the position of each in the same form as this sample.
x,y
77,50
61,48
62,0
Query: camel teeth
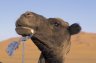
x,y
32,31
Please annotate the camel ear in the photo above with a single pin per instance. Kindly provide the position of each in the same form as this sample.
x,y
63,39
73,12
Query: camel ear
x,y
74,28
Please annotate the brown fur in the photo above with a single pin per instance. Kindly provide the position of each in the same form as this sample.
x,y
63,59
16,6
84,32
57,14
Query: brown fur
x,y
52,35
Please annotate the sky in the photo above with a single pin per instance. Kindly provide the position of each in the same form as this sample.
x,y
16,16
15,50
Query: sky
x,y
72,11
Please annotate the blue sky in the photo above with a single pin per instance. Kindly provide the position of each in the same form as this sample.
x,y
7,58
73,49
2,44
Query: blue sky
x,y
80,11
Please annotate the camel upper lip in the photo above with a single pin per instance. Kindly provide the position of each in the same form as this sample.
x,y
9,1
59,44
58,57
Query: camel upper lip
x,y
32,30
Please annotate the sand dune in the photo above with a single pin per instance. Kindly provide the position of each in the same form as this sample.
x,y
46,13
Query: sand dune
x,y
83,50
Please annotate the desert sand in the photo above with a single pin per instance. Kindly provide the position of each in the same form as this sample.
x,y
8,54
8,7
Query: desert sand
x,y
83,50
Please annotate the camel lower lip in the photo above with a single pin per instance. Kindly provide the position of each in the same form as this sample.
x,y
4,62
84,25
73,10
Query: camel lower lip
x,y
24,30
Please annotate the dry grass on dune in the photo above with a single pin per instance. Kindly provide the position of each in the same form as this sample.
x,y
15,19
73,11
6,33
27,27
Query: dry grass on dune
x,y
83,50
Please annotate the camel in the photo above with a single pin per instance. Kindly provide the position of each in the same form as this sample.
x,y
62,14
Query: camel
x,y
51,35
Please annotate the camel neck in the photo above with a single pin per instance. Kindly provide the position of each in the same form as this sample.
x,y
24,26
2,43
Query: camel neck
x,y
52,58
50,55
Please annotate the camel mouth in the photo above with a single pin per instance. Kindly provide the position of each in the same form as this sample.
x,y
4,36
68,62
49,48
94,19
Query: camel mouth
x,y
24,31
27,31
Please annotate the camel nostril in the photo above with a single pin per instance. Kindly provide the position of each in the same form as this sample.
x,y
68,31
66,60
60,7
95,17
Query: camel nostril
x,y
18,25
28,14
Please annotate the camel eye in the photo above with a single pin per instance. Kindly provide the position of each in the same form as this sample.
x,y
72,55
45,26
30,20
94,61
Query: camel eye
x,y
56,24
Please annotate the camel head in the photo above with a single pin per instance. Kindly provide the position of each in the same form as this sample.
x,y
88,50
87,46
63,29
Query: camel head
x,y
50,35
